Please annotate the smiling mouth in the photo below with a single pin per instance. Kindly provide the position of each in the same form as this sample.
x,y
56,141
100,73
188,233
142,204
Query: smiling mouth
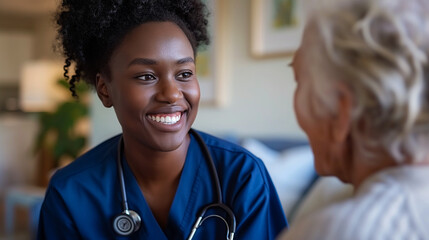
x,y
167,119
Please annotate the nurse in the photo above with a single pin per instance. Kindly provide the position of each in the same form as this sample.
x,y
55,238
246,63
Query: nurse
x,y
140,57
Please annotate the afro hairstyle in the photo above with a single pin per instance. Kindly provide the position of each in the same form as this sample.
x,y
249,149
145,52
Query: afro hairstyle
x,y
90,30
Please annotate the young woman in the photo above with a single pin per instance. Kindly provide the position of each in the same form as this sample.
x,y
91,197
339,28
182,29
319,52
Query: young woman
x,y
155,179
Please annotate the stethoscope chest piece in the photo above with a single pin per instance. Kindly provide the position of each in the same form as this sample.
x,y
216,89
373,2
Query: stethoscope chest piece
x,y
129,221
126,223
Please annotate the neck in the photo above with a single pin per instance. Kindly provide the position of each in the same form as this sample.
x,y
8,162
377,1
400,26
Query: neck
x,y
152,167
358,168
362,169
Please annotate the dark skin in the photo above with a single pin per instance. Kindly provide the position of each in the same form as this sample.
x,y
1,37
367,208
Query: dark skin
x,y
153,88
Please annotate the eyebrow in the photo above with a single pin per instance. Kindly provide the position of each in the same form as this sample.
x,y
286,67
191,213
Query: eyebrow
x,y
185,60
142,61
148,61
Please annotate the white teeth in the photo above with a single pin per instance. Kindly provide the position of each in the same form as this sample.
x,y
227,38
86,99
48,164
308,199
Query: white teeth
x,y
166,120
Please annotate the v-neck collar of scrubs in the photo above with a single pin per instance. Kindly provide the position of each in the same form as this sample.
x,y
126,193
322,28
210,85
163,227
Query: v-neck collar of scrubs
x,y
183,202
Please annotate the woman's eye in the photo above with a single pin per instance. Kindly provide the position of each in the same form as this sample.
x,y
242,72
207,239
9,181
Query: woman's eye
x,y
185,75
146,77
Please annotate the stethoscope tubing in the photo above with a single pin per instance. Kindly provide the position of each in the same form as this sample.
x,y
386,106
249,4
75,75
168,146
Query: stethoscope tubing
x,y
218,204
121,175
210,162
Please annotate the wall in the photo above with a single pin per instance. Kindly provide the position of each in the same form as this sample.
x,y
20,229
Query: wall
x,y
12,58
22,38
17,160
259,91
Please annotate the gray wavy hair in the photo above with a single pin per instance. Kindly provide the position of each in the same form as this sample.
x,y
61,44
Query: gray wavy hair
x,y
381,50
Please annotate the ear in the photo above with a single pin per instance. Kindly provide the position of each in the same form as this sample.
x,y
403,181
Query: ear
x,y
340,127
102,91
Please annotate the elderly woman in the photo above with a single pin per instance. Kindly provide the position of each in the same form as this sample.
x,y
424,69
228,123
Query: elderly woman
x,y
362,98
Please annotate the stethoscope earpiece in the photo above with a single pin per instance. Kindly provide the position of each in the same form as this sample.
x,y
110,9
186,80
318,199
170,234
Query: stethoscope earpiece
x,y
126,223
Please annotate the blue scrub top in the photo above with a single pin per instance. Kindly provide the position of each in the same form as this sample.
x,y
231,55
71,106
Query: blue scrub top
x,y
83,198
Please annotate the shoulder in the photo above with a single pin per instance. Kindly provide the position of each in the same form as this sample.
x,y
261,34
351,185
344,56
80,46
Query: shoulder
x,y
238,165
374,212
88,162
221,146
230,155
325,224
248,189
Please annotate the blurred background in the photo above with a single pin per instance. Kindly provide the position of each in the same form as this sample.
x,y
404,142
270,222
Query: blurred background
x,y
253,99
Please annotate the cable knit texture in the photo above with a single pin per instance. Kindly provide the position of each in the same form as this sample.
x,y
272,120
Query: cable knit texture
x,y
392,204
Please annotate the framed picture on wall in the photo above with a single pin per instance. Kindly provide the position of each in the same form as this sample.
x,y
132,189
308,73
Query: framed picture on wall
x,y
209,64
276,27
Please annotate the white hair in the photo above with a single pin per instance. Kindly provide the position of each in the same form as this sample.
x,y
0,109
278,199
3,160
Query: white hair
x,y
380,48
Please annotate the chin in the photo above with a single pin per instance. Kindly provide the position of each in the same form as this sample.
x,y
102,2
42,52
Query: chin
x,y
322,172
324,169
169,147
327,171
344,178
170,143
321,167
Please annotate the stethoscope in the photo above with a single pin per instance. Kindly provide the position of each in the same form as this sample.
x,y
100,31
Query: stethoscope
x,y
129,221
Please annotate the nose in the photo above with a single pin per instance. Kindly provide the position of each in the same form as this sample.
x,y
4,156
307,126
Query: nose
x,y
168,91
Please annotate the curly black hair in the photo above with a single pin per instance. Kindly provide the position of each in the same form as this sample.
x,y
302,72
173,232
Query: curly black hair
x,y
89,30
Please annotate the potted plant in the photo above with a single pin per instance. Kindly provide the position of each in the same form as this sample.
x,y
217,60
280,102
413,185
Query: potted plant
x,y
59,140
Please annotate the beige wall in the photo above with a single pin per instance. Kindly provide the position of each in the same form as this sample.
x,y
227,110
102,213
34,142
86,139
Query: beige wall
x,y
45,36
259,90
16,47
22,38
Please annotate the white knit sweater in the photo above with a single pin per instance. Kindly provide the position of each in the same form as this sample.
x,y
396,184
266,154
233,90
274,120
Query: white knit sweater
x,y
392,204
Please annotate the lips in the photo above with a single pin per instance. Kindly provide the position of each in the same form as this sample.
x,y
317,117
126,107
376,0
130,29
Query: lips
x,y
165,118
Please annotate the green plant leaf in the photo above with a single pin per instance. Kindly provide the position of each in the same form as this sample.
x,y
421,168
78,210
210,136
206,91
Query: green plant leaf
x,y
57,129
